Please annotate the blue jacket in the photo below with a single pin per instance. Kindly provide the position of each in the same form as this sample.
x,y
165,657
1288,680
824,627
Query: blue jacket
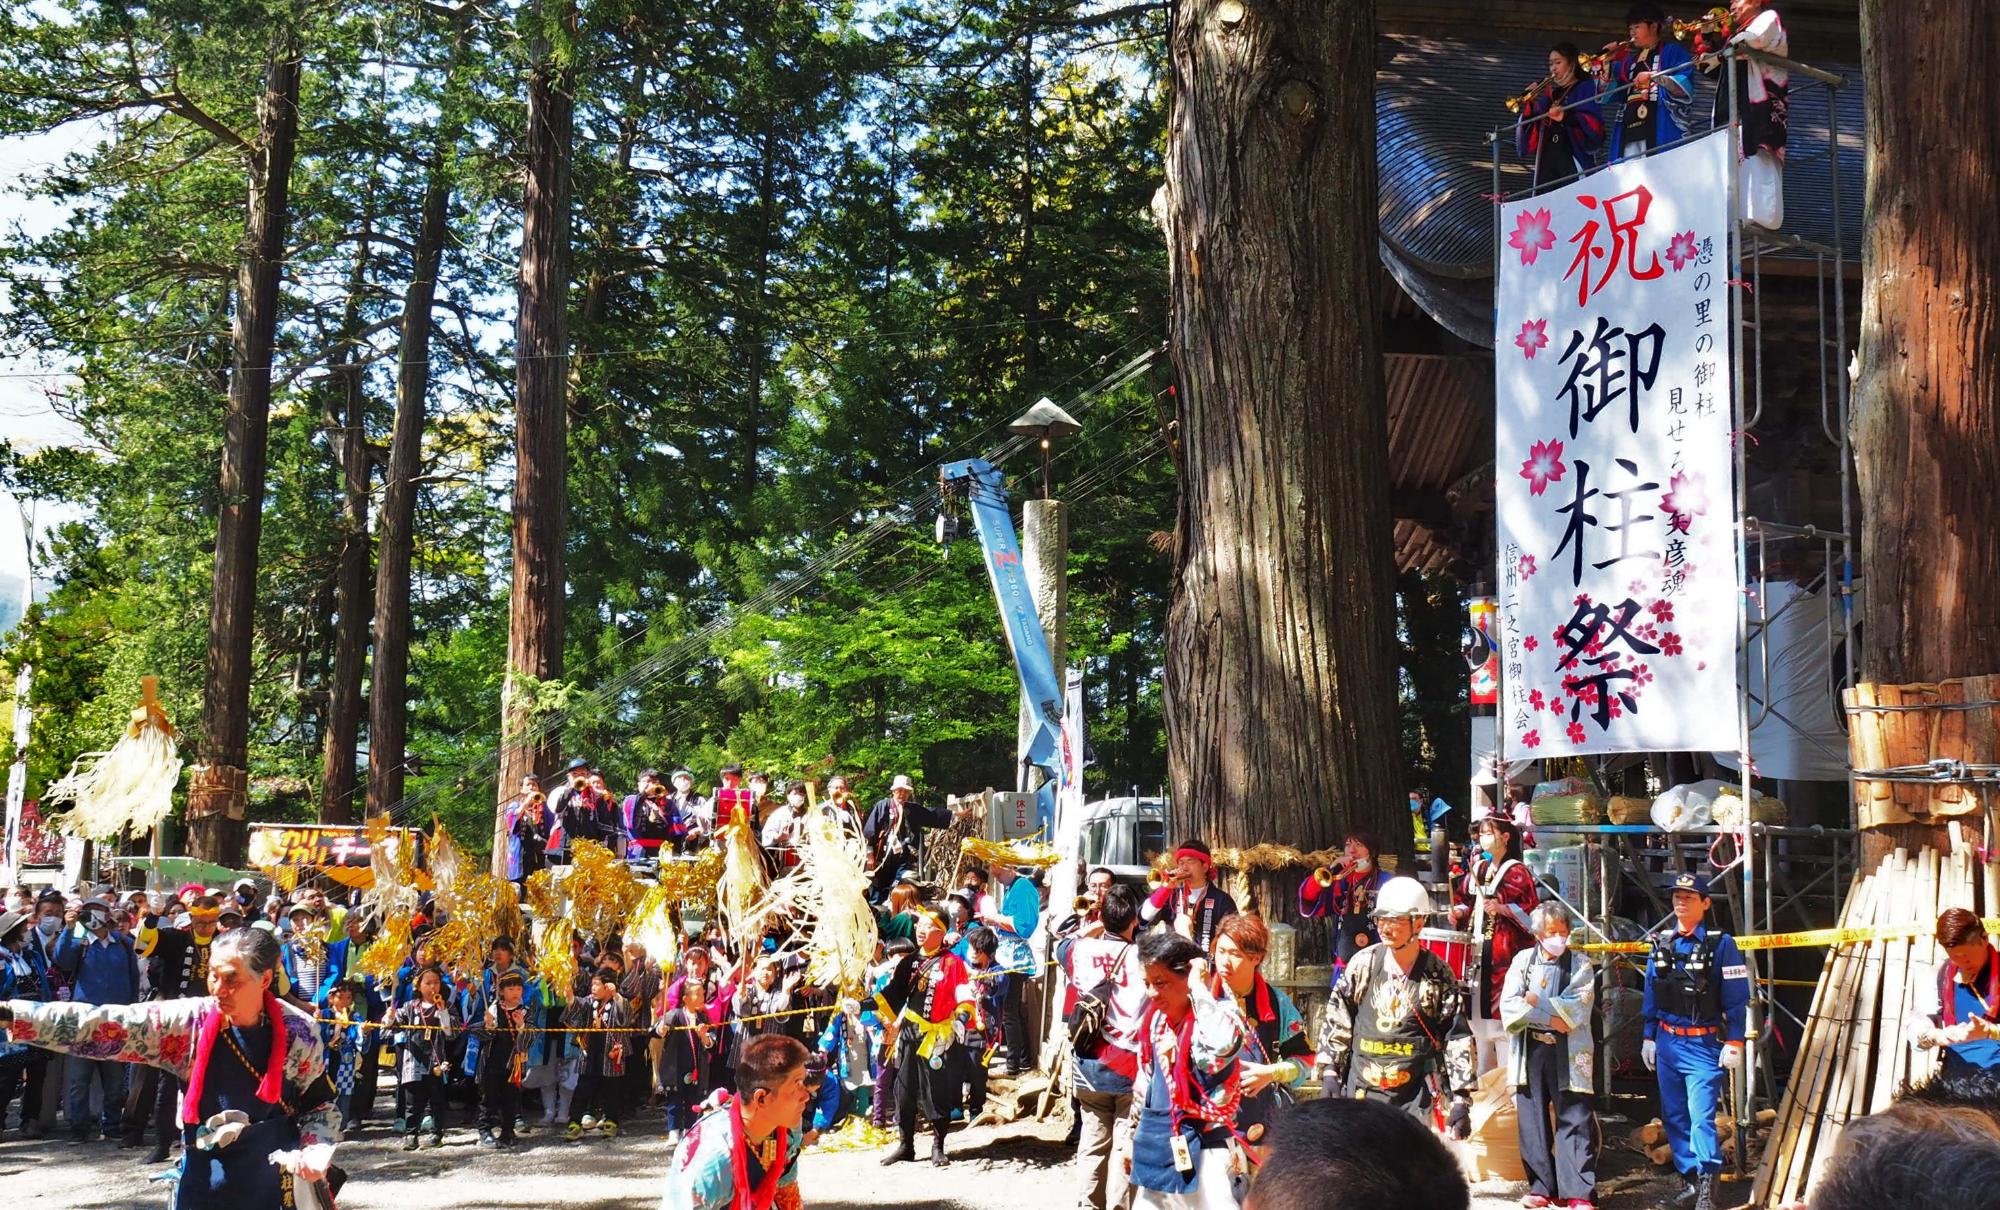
x,y
1729,968
107,971
1022,905
32,986
1667,122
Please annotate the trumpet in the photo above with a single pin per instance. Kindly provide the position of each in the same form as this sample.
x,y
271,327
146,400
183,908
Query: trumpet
x,y
1526,97
1714,21
1085,906
1323,876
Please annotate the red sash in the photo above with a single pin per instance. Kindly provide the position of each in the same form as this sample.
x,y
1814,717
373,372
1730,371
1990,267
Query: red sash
x,y
765,1193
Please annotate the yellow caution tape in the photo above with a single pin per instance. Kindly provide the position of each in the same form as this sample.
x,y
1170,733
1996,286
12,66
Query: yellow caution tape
x,y
1779,941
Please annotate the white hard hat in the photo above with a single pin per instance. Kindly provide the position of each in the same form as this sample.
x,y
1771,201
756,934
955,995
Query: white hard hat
x,y
902,782
1402,897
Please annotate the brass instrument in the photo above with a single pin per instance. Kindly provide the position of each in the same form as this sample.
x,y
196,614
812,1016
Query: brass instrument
x,y
1526,97
1085,905
1714,21
1323,876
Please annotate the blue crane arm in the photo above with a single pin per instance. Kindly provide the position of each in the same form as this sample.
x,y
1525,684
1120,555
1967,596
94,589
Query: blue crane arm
x,y
987,499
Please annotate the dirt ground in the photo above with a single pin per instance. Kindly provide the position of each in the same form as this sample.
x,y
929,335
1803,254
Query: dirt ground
x,y
994,1168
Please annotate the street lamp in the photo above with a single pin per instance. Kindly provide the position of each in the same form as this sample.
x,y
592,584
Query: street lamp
x,y
1045,422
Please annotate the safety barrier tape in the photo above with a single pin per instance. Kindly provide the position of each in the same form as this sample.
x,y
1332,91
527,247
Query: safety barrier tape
x,y
1779,941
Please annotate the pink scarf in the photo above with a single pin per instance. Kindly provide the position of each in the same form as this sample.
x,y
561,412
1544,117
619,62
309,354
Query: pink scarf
x,y
271,1081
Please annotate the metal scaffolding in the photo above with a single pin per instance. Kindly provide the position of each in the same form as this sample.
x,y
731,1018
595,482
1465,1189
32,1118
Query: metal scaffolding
x,y
1758,886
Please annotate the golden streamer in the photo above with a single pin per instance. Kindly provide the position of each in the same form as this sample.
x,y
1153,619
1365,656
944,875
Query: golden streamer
x,y
600,889
743,883
1273,857
691,882
543,900
387,953
1035,853
653,926
555,961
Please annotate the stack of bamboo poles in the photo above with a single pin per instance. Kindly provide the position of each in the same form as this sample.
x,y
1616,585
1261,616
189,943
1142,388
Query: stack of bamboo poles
x,y
1856,1052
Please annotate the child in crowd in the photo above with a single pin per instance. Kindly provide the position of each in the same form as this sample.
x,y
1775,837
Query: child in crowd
x,y
342,1038
980,1033
604,1021
690,1055
426,1059
503,1061
847,1050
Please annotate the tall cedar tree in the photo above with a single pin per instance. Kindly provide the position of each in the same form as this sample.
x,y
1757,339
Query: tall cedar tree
x,y
1281,670
1927,404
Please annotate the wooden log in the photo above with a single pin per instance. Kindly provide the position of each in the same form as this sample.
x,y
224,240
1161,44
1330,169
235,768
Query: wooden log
x,y
1826,1118
1814,1057
1948,742
1781,1172
1890,1059
1857,1073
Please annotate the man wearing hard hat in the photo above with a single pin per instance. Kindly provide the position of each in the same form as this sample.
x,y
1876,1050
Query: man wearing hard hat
x,y
1396,1030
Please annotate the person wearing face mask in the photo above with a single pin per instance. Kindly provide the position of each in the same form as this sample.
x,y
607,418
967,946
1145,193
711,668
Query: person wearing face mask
x,y
648,820
781,827
22,977
1493,900
1344,893
1545,1008
688,812
107,972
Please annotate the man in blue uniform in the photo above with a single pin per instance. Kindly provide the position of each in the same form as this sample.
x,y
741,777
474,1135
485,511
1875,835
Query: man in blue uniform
x,y
1697,988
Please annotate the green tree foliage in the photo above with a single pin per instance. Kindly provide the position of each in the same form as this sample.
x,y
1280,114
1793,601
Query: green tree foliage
x,y
818,247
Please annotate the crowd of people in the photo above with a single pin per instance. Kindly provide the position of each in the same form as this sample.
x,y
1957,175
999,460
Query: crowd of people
x,y
1187,1066
1638,95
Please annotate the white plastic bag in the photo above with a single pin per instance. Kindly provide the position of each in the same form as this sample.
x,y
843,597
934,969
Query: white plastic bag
x,y
1686,806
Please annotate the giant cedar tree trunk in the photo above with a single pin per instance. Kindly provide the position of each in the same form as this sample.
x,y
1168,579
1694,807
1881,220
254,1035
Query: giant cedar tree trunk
x,y
388,694
351,599
541,379
1927,405
1280,670
218,796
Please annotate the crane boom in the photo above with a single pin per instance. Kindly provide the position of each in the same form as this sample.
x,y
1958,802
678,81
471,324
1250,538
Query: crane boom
x,y
986,495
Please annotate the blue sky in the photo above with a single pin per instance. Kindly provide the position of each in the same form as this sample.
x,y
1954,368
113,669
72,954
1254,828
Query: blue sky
x,y
27,421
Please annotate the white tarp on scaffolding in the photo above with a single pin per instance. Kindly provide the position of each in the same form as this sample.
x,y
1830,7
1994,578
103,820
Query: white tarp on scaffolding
x,y
1799,738
1618,592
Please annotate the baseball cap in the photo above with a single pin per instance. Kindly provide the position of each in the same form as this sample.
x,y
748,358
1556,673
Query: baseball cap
x,y
1691,882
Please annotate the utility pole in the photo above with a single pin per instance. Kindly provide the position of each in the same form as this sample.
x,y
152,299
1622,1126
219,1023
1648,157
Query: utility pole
x,y
1045,565
17,774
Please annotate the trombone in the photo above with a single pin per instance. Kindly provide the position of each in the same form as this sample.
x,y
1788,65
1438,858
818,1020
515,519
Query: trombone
x,y
1714,21
1526,97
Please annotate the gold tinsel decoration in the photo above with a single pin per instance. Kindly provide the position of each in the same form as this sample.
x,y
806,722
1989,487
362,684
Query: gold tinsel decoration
x,y
387,953
653,926
743,901
392,858
601,891
543,899
1273,857
477,907
1038,854
555,961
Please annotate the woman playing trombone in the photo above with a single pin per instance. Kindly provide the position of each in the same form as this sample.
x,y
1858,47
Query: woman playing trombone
x,y
1561,127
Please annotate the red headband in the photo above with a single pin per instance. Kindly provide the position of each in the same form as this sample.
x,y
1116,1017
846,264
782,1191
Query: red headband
x,y
1197,854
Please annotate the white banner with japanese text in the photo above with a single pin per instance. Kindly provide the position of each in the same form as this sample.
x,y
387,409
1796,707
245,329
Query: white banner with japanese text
x,y
1614,466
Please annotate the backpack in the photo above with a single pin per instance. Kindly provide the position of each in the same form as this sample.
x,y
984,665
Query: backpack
x,y
1086,1019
